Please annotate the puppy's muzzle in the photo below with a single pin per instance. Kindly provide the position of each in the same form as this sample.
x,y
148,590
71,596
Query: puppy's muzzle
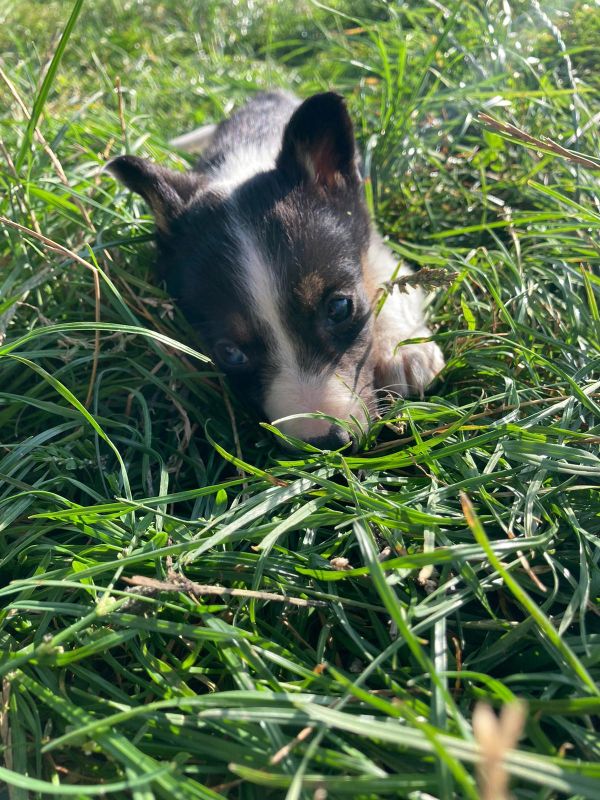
x,y
334,439
320,433
302,398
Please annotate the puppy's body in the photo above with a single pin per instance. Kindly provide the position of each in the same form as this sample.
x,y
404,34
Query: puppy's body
x,y
269,248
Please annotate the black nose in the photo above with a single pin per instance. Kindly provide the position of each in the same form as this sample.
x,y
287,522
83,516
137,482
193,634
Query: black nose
x,y
335,438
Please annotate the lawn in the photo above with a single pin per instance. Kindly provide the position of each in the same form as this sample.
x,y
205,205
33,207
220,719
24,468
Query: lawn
x,y
185,611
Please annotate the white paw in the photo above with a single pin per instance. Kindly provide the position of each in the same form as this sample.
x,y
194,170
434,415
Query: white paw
x,y
410,370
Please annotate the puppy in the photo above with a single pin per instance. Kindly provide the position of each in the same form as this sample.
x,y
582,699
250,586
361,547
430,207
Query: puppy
x,y
268,246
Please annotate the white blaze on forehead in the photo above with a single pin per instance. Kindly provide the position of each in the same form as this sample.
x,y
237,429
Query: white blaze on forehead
x,y
262,289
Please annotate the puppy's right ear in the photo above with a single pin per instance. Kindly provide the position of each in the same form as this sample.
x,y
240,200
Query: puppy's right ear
x,y
165,190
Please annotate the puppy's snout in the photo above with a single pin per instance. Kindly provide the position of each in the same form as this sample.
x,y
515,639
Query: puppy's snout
x,y
317,432
334,439
293,395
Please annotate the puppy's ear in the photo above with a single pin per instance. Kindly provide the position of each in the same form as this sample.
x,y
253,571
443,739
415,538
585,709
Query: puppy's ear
x,y
318,143
165,190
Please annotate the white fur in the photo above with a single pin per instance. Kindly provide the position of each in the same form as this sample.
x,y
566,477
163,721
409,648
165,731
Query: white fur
x,y
239,166
296,392
261,286
196,141
404,369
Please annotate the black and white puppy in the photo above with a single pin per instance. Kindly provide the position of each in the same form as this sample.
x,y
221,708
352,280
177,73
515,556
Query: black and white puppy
x,y
268,247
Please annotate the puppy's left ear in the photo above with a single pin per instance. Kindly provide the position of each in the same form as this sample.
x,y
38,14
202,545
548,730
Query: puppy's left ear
x,y
318,143
165,190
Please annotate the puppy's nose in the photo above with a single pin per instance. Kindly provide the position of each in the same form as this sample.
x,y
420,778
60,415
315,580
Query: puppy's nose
x,y
335,438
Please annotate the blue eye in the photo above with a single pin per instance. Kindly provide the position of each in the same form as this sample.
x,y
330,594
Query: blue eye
x,y
230,354
339,309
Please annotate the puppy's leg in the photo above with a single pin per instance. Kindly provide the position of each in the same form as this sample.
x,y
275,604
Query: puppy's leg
x,y
408,369
402,369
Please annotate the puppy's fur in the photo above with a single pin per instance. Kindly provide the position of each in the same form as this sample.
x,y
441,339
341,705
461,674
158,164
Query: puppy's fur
x,y
268,247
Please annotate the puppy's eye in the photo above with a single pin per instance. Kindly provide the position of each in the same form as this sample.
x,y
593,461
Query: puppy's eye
x,y
230,355
339,309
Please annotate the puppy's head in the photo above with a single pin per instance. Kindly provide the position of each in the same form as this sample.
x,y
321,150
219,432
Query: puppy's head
x,y
271,272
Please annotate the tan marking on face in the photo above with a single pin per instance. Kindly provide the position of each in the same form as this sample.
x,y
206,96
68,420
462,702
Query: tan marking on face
x,y
310,289
240,330
372,285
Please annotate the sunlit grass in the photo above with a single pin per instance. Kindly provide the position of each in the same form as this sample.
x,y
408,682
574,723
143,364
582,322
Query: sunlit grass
x,y
452,561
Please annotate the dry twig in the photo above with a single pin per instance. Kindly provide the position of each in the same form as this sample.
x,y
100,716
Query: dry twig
x,y
178,583
544,144
495,737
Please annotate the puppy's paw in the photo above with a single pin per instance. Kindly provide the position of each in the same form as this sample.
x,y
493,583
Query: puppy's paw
x,y
410,370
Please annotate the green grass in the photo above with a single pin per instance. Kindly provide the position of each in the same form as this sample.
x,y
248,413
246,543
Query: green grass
x,y
471,526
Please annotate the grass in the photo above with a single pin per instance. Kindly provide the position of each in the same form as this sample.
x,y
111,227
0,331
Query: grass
x,y
454,560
